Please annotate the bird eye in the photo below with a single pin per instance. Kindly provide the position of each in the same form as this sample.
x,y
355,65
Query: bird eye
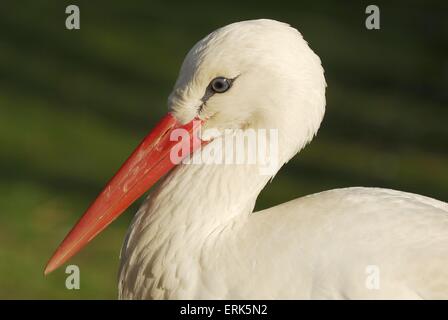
x,y
220,85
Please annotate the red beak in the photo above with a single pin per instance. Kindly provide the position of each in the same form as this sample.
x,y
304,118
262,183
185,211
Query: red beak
x,y
151,160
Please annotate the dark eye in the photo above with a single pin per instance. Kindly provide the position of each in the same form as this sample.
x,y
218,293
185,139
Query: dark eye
x,y
220,85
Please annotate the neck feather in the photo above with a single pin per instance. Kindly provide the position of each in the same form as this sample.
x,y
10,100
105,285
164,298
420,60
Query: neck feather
x,y
187,213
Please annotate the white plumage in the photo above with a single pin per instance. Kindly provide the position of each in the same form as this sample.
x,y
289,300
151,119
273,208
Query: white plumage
x,y
196,235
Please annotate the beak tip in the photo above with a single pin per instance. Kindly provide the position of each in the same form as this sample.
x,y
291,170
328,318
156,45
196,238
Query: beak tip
x,y
50,267
47,270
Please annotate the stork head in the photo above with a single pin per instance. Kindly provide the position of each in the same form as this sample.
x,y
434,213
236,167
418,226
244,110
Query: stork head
x,y
257,74
253,74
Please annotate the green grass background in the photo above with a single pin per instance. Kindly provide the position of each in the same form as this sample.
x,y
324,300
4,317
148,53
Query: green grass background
x,y
73,104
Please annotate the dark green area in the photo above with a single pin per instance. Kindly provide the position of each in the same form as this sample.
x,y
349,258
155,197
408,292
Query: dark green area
x,y
73,104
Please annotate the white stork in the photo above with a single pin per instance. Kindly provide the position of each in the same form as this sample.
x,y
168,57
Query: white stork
x,y
196,236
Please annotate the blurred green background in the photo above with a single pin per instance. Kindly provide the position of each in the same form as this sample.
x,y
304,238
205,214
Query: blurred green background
x,y
73,104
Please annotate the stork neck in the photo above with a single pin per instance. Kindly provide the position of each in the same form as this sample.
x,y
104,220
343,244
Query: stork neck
x,y
207,194
183,218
